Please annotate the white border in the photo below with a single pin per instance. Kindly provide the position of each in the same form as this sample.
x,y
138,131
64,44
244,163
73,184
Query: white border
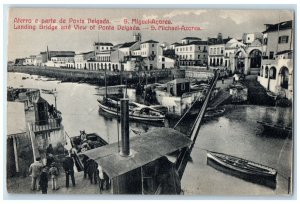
x,y
156,2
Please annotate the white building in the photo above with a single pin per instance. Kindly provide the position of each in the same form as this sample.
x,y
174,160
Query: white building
x,y
277,70
194,53
165,62
80,59
150,50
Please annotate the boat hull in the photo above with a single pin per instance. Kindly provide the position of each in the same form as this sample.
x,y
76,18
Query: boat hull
x,y
268,180
131,116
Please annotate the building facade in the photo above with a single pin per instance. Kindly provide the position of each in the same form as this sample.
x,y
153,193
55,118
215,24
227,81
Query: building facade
x,y
194,53
277,69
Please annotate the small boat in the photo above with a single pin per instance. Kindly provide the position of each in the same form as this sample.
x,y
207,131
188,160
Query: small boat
x,y
242,168
214,113
23,78
275,129
46,91
136,111
94,141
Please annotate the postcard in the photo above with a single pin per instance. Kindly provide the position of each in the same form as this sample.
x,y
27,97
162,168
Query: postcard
x,y
168,101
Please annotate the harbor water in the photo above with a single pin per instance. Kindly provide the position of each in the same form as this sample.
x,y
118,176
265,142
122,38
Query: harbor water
x,y
236,133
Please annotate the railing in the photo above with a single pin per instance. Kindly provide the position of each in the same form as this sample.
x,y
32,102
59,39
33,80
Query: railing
x,y
47,125
184,156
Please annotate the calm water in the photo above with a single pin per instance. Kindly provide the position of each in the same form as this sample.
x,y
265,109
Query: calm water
x,y
235,133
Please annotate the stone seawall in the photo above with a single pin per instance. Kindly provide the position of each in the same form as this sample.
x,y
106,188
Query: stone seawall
x,y
98,77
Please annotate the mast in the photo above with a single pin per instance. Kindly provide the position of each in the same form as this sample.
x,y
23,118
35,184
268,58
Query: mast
x,y
105,82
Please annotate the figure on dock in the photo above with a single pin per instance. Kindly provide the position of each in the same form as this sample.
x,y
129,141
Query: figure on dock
x,y
35,171
53,172
44,180
68,166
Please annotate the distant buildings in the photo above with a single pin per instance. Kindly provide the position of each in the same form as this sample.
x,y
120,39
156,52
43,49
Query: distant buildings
x,y
277,70
192,52
242,56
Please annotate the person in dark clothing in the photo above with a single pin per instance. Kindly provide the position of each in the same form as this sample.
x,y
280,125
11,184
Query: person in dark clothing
x,y
85,165
50,160
68,166
44,180
50,150
92,170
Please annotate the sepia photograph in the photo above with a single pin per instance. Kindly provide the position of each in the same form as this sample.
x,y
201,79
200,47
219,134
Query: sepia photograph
x,y
149,101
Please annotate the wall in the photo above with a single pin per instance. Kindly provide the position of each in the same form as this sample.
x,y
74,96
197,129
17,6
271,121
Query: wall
x,y
273,42
169,63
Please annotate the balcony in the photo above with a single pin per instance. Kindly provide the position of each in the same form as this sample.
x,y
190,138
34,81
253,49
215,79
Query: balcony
x,y
51,124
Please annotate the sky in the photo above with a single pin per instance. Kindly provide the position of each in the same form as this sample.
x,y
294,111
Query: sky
x,y
233,23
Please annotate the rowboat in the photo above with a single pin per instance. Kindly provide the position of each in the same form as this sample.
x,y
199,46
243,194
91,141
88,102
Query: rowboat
x,y
242,168
275,129
46,91
93,139
136,112
214,113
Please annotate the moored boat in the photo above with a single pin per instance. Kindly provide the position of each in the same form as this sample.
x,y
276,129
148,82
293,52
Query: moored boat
x,y
136,112
242,168
93,140
46,91
214,113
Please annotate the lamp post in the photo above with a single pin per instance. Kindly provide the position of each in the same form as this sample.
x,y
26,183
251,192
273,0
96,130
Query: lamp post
x,y
55,95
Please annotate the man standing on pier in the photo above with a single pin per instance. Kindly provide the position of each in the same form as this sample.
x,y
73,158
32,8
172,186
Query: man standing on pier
x,y
69,170
35,171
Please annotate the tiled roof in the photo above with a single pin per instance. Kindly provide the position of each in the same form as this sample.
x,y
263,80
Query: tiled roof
x,y
149,41
127,44
279,26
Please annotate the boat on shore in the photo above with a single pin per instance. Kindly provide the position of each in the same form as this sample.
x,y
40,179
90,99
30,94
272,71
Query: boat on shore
x,y
242,168
137,111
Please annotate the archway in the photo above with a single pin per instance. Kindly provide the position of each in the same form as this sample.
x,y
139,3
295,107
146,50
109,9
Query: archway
x,y
240,61
284,77
255,58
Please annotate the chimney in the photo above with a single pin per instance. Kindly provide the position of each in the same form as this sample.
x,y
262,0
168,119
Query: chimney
x,y
125,149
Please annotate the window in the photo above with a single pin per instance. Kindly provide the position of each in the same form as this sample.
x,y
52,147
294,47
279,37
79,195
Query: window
x,y
191,48
221,50
266,72
183,86
272,73
162,66
199,48
198,56
152,52
271,55
265,41
152,45
248,38
283,39
191,56
163,59
284,77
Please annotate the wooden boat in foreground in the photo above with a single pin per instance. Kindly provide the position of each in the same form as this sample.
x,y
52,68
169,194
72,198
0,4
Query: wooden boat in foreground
x,y
242,168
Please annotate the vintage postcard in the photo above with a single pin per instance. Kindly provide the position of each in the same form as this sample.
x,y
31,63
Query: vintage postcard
x,y
165,101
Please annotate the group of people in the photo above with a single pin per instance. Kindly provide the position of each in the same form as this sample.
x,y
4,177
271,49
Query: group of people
x,y
95,173
41,174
